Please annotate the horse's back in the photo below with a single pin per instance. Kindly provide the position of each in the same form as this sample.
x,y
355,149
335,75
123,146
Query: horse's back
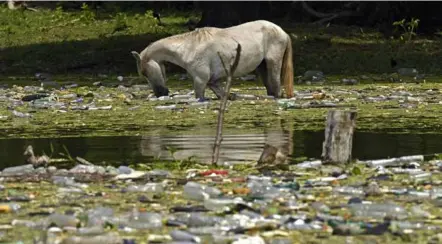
x,y
257,25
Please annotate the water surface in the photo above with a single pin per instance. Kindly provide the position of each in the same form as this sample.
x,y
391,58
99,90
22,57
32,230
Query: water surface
x,y
235,146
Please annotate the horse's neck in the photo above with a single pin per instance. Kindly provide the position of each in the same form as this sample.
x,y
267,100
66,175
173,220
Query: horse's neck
x,y
166,51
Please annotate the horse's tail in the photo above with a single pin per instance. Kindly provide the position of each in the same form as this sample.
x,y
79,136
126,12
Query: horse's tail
x,y
287,69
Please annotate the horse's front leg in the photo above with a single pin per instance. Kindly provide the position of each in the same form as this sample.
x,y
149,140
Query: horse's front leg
x,y
199,85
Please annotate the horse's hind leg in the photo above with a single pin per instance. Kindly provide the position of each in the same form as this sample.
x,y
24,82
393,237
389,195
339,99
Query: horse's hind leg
x,y
262,71
274,77
214,85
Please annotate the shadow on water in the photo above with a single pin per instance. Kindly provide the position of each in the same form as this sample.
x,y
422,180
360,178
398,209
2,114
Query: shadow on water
x,y
235,146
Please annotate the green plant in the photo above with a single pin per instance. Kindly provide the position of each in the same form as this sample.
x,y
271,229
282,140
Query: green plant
x,y
58,14
87,14
409,28
67,154
120,22
172,150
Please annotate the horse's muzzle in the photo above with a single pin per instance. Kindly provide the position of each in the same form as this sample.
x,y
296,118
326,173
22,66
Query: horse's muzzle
x,y
160,91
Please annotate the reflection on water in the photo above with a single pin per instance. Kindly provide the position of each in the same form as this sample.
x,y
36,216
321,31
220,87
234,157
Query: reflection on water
x,y
235,147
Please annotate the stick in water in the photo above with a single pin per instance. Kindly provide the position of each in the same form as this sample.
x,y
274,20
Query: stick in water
x,y
223,104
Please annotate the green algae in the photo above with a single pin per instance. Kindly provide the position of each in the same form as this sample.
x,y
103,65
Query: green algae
x,y
241,115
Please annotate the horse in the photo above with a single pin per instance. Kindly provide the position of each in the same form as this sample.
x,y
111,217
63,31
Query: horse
x,y
265,48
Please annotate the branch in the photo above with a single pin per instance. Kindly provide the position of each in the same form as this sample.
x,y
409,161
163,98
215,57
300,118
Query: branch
x,y
338,15
313,12
223,104
326,16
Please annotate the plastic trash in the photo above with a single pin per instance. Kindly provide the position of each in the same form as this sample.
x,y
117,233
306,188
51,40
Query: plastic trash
x,y
181,97
179,235
87,169
166,107
235,96
110,238
21,115
379,211
394,161
99,215
100,108
18,170
67,181
62,220
313,75
412,72
9,207
220,204
27,223
155,188
145,220
309,164
90,231
349,81
199,192
250,240
124,170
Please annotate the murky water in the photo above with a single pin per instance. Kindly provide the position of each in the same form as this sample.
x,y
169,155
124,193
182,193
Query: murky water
x,y
235,147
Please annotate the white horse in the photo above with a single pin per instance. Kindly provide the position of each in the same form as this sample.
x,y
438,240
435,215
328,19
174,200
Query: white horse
x,y
265,47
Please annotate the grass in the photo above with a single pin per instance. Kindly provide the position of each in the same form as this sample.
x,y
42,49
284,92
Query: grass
x,y
85,42
79,45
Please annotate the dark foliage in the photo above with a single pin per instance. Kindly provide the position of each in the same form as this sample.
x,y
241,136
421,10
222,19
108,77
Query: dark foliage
x,y
379,14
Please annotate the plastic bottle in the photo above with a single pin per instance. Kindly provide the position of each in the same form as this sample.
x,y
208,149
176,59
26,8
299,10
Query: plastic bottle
x,y
199,192
394,161
309,164
101,239
219,204
9,207
179,235
155,188
380,210
62,220
348,190
145,220
18,170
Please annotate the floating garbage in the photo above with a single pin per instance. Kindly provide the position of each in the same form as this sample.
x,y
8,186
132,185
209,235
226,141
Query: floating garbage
x,y
78,204
199,192
394,161
21,115
408,72
309,164
18,170
166,107
235,96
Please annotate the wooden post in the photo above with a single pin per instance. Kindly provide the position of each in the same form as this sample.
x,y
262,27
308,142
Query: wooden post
x,y
229,71
338,141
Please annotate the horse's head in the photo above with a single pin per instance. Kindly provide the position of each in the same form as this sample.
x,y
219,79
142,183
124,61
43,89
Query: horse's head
x,y
151,71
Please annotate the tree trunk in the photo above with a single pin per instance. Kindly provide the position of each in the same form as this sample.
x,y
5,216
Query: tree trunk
x,y
338,141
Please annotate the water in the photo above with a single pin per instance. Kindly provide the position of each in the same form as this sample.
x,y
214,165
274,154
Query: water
x,y
235,147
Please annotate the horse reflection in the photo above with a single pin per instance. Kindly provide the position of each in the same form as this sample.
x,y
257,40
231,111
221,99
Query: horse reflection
x,y
234,147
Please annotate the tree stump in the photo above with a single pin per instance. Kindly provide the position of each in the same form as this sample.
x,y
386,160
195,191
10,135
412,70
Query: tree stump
x,y
338,141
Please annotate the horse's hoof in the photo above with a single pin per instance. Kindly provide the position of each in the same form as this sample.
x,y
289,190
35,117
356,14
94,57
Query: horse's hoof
x,y
200,100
